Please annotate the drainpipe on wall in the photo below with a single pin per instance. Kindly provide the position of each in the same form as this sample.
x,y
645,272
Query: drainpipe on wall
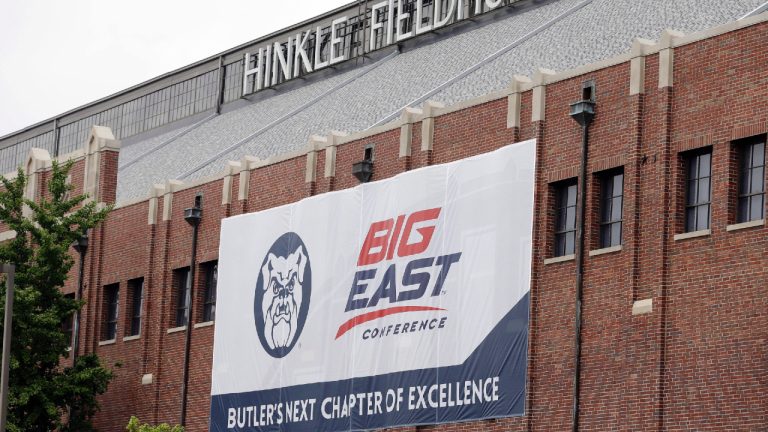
x,y
583,112
192,216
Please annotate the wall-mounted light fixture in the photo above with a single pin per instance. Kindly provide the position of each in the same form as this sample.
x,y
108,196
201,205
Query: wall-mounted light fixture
x,y
583,112
363,170
192,215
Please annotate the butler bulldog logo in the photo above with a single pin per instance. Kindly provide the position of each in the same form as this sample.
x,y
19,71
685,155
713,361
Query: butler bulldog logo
x,y
282,295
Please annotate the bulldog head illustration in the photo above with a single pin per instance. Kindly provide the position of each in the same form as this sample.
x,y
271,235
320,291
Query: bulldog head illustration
x,y
282,295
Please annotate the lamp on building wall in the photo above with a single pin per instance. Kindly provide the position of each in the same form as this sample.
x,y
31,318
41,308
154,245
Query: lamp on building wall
x,y
363,170
583,112
193,216
81,247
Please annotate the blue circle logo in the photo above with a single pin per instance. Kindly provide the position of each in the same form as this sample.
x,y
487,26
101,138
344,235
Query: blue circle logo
x,y
282,295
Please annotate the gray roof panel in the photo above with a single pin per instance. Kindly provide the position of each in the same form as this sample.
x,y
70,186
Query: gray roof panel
x,y
359,98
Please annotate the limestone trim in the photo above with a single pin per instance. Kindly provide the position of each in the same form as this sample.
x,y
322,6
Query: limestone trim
x,y
429,109
232,169
606,250
541,78
38,160
155,192
514,100
692,234
99,140
559,259
642,307
330,162
408,117
171,186
310,175
7,236
246,165
745,225
640,49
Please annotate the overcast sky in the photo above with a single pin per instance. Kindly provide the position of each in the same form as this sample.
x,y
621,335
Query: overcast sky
x,y
56,55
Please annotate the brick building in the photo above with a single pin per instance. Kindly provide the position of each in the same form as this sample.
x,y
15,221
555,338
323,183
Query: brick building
x,y
674,320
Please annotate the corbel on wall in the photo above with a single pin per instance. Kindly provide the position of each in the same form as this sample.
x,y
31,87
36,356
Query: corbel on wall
x,y
155,192
232,168
640,49
540,80
429,109
99,140
38,161
408,117
514,100
316,142
171,186
667,57
246,165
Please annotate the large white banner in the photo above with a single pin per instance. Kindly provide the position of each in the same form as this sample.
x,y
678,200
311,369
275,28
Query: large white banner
x,y
397,302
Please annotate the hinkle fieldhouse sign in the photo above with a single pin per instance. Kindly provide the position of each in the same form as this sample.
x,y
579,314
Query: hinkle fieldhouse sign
x,y
391,21
398,302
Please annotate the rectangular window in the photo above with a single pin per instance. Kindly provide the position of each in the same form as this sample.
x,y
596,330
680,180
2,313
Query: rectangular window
x,y
182,296
68,323
611,203
111,307
209,302
565,218
698,190
751,180
136,292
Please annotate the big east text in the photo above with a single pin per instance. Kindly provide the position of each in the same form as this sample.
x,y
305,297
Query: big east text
x,y
402,236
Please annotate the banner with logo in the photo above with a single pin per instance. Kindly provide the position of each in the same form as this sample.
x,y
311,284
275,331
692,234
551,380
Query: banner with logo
x,y
398,302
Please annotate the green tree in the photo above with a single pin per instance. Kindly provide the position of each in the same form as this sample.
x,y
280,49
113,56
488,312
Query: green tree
x,y
45,396
135,426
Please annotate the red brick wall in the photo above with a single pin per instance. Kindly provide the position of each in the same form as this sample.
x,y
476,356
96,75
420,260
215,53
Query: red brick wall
x,y
697,362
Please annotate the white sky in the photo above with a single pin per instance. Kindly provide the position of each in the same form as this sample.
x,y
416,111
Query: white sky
x,y
56,55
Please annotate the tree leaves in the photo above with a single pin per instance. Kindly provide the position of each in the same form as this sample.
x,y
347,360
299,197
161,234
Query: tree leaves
x,y
43,395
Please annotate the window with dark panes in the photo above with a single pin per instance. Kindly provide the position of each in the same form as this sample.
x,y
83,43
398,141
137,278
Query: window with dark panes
x,y
611,204
182,297
111,308
565,218
698,191
136,291
209,298
751,205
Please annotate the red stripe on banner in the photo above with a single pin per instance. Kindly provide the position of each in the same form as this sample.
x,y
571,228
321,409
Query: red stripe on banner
x,y
370,316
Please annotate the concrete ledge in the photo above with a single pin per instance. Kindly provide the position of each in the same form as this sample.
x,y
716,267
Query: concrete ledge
x,y
204,324
130,338
744,225
692,234
176,329
642,307
146,379
604,251
560,259
7,235
107,342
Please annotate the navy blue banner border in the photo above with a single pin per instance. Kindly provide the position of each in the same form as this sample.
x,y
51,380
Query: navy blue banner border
x,y
502,354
